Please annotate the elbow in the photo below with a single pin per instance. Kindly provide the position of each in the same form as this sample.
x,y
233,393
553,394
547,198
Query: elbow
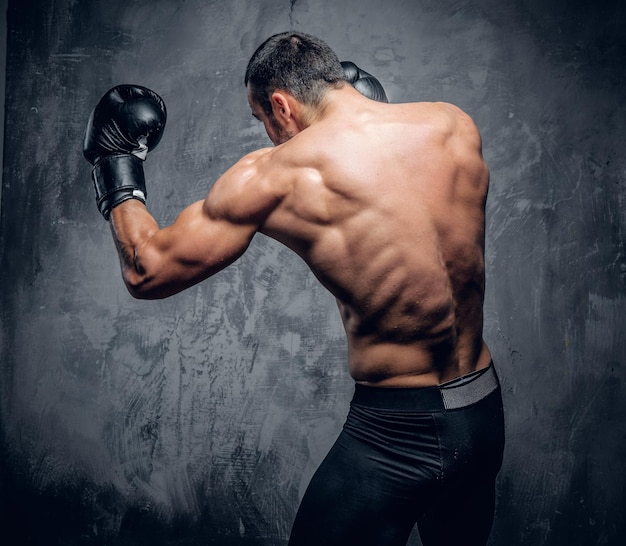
x,y
151,276
139,294
146,292
138,286
141,278
142,285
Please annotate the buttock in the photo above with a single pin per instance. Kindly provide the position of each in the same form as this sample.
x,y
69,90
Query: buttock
x,y
406,456
433,432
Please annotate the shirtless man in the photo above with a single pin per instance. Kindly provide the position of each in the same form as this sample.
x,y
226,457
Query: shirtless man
x,y
385,203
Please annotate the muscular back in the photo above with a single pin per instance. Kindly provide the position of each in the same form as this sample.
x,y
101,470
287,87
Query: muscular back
x,y
386,205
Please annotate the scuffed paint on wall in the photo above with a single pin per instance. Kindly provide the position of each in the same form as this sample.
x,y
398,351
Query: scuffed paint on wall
x,y
200,419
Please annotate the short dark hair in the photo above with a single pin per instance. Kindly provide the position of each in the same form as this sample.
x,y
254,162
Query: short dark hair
x,y
299,63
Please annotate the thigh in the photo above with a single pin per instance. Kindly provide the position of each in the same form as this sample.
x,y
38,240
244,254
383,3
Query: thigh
x,y
466,518
473,440
349,501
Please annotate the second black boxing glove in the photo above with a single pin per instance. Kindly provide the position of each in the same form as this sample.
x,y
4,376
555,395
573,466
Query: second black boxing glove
x,y
363,82
125,125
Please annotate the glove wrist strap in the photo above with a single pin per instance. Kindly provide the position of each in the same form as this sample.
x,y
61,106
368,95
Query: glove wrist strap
x,y
116,179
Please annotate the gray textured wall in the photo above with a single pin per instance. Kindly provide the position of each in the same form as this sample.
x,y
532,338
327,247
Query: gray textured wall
x,y
3,54
200,418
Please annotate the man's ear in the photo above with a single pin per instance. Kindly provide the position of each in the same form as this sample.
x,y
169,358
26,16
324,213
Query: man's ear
x,y
281,107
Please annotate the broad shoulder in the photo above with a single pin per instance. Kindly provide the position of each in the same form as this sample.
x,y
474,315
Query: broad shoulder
x,y
442,113
250,189
448,123
459,120
428,118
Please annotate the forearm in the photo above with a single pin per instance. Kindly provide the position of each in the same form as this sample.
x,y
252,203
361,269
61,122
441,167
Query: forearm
x,y
133,227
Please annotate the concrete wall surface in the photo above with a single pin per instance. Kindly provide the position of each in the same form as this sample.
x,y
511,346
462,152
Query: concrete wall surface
x,y
200,418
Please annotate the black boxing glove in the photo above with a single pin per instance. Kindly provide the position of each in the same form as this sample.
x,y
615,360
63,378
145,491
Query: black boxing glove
x,y
363,82
124,126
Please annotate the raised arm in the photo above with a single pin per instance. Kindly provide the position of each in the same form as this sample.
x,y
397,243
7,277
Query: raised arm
x,y
206,237
157,263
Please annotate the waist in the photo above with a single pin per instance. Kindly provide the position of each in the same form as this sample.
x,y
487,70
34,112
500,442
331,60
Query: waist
x,y
458,393
414,365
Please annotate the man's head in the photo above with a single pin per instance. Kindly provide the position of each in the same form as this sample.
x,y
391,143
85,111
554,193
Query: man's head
x,y
295,62
299,64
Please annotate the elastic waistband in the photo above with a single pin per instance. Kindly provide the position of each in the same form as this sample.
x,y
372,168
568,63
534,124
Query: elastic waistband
x,y
458,393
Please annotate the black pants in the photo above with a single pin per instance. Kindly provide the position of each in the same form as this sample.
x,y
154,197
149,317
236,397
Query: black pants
x,y
422,455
